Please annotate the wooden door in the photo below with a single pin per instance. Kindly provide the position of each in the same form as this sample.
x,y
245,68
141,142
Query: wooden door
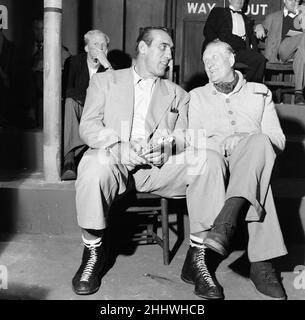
x,y
190,17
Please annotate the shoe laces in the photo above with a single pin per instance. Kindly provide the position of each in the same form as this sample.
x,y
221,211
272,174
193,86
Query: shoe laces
x,y
91,261
202,267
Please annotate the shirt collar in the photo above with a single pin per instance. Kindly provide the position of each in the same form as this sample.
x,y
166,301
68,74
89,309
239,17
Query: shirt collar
x,y
286,12
230,6
137,78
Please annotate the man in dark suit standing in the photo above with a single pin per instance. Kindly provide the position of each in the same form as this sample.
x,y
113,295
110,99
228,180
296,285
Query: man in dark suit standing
x,y
232,26
77,73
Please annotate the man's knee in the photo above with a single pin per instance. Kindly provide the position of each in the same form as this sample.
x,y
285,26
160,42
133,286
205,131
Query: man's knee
x,y
95,166
260,140
215,161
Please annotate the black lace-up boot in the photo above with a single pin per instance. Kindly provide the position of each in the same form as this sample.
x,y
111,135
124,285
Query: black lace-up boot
x,y
266,280
199,269
87,279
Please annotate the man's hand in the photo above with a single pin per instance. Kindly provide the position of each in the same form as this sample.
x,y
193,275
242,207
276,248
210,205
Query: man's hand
x,y
161,153
228,145
126,153
100,55
259,31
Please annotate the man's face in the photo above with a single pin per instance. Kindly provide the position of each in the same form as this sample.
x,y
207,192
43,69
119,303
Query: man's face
x,y
158,54
218,63
290,4
97,41
237,4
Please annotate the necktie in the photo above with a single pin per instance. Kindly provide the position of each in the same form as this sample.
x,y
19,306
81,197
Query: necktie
x,y
235,11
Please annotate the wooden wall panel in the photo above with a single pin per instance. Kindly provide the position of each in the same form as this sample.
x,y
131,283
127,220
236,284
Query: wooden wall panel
x,y
108,16
142,13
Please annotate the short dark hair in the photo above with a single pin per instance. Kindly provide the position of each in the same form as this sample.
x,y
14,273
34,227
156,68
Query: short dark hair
x,y
145,35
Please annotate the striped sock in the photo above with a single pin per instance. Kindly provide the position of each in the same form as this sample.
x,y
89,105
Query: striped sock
x,y
96,242
196,242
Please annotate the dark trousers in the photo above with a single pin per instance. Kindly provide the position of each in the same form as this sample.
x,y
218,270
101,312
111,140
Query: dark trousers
x,y
256,63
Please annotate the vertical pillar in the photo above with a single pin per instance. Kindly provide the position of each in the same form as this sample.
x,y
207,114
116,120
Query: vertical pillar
x,y
52,90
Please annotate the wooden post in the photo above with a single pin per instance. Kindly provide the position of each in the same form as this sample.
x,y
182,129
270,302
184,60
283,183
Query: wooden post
x,y
52,90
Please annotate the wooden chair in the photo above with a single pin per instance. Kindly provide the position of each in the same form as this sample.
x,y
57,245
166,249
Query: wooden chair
x,y
157,207
279,77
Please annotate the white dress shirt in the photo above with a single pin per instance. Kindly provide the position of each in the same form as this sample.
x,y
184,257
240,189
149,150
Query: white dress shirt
x,y
290,14
143,89
238,24
92,71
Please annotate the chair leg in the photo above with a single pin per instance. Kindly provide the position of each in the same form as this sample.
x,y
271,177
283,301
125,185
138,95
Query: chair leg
x,y
165,230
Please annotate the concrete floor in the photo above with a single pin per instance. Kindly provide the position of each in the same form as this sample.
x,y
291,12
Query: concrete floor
x,y
41,267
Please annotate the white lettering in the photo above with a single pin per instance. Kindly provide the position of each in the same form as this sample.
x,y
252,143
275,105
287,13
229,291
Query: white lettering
x,y
197,7
211,6
299,281
255,9
3,17
192,7
3,277
202,9
264,6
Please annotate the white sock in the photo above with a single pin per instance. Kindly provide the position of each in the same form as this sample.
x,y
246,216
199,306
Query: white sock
x,y
91,242
196,242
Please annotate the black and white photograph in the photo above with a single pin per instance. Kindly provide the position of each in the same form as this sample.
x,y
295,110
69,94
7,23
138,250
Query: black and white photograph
x,y
152,156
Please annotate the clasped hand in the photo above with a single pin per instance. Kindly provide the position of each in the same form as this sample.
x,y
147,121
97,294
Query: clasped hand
x,y
135,153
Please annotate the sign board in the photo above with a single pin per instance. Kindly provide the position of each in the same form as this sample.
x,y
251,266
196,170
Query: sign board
x,y
199,10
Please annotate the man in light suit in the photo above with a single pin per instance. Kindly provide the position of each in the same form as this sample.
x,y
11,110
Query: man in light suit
x,y
232,26
284,41
244,134
125,111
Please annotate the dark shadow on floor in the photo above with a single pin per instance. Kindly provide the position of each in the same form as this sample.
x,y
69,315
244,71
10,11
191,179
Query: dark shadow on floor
x,y
126,230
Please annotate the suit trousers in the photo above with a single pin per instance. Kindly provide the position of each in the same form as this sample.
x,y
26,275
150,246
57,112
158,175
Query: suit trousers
x,y
248,172
256,64
294,48
101,180
72,116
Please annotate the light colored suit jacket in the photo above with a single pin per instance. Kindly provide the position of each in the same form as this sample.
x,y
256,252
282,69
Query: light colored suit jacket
x,y
273,23
108,112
